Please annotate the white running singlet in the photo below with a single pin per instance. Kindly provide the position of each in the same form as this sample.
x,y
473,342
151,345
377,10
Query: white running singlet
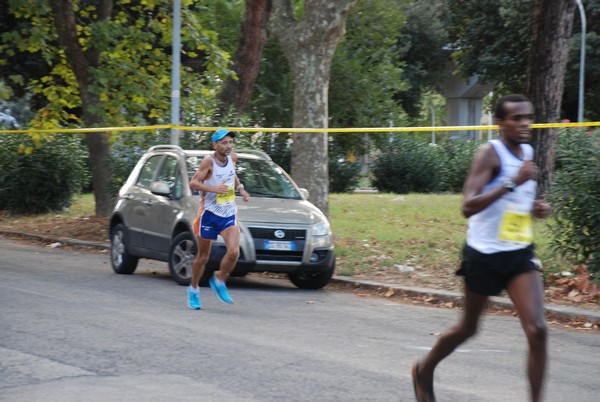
x,y
222,205
505,225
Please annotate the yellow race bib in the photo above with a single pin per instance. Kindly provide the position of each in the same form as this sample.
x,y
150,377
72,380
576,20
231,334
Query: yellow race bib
x,y
228,196
516,227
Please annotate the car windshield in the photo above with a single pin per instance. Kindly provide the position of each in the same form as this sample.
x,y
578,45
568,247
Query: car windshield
x,y
261,178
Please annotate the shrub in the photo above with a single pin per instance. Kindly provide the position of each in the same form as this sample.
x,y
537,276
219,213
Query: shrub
x,y
575,197
459,154
41,175
410,165
343,175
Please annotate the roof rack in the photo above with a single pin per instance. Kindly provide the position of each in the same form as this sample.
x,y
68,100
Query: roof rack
x,y
176,148
254,152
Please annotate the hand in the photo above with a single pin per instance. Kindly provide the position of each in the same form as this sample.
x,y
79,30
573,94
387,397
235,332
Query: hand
x,y
528,171
221,189
245,195
541,209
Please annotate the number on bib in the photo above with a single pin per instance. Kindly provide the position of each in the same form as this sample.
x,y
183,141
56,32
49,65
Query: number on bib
x,y
516,227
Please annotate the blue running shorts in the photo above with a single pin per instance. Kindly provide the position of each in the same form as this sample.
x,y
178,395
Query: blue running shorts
x,y
211,225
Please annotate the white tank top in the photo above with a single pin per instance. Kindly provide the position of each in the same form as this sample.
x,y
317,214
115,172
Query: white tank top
x,y
222,205
505,225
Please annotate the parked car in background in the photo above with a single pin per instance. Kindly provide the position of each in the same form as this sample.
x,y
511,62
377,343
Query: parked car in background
x,y
281,231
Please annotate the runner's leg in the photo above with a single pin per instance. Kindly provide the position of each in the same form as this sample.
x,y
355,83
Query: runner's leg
x,y
453,337
527,294
199,262
231,235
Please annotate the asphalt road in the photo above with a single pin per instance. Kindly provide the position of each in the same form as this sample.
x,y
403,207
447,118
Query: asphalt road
x,y
72,330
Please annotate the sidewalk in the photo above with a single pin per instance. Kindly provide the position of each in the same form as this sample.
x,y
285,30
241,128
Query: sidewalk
x,y
409,291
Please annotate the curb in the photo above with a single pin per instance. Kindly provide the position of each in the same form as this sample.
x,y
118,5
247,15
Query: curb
x,y
409,291
456,297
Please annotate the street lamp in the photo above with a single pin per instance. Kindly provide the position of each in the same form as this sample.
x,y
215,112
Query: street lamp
x,y
581,62
176,61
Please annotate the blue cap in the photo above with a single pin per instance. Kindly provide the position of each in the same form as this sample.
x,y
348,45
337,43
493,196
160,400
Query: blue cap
x,y
220,133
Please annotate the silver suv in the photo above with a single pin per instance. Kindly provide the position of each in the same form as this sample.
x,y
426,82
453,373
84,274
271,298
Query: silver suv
x,y
280,230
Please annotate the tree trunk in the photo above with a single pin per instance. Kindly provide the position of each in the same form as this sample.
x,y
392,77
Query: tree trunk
x,y
553,22
98,146
253,37
309,46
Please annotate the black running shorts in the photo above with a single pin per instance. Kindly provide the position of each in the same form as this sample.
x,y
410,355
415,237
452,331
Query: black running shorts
x,y
489,274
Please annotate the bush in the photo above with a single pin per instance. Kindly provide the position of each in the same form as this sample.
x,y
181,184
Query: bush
x,y
41,175
410,165
343,175
459,154
575,197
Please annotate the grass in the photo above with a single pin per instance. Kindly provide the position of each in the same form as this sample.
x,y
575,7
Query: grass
x,y
83,205
380,231
414,230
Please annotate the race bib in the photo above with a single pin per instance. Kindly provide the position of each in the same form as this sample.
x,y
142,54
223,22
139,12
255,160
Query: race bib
x,y
227,197
516,227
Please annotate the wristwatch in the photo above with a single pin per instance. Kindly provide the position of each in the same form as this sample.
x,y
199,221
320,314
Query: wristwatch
x,y
509,184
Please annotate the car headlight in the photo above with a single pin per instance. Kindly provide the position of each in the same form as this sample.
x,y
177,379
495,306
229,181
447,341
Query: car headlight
x,y
321,235
321,229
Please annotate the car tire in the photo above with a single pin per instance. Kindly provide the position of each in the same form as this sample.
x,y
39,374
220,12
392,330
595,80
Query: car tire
x,y
181,254
121,260
312,280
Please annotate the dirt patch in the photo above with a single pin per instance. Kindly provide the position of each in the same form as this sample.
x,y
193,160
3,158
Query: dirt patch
x,y
89,228
562,292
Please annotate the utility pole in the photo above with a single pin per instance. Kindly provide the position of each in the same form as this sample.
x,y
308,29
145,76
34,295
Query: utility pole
x,y
175,79
581,61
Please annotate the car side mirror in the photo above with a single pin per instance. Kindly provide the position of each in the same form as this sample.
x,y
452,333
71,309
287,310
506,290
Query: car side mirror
x,y
160,188
305,193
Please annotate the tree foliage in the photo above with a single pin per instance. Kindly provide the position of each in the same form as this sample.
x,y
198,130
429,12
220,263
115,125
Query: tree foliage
x,y
366,74
133,77
591,68
492,39
422,46
106,63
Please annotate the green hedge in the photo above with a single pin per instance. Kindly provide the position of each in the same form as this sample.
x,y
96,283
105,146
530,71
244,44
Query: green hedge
x,y
575,197
42,175
411,164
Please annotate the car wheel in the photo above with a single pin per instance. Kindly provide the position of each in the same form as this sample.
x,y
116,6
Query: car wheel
x,y
122,261
181,254
312,280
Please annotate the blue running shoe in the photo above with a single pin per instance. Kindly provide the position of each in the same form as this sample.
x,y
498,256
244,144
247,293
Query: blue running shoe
x,y
193,298
220,289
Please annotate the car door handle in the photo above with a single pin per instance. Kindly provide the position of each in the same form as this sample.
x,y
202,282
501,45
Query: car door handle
x,y
148,201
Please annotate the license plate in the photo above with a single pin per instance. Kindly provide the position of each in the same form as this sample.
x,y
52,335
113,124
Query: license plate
x,y
279,245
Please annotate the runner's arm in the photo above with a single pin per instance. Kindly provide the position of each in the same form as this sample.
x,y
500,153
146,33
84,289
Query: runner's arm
x,y
485,164
203,173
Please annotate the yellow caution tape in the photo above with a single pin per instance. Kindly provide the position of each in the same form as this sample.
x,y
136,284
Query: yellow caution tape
x,y
291,130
